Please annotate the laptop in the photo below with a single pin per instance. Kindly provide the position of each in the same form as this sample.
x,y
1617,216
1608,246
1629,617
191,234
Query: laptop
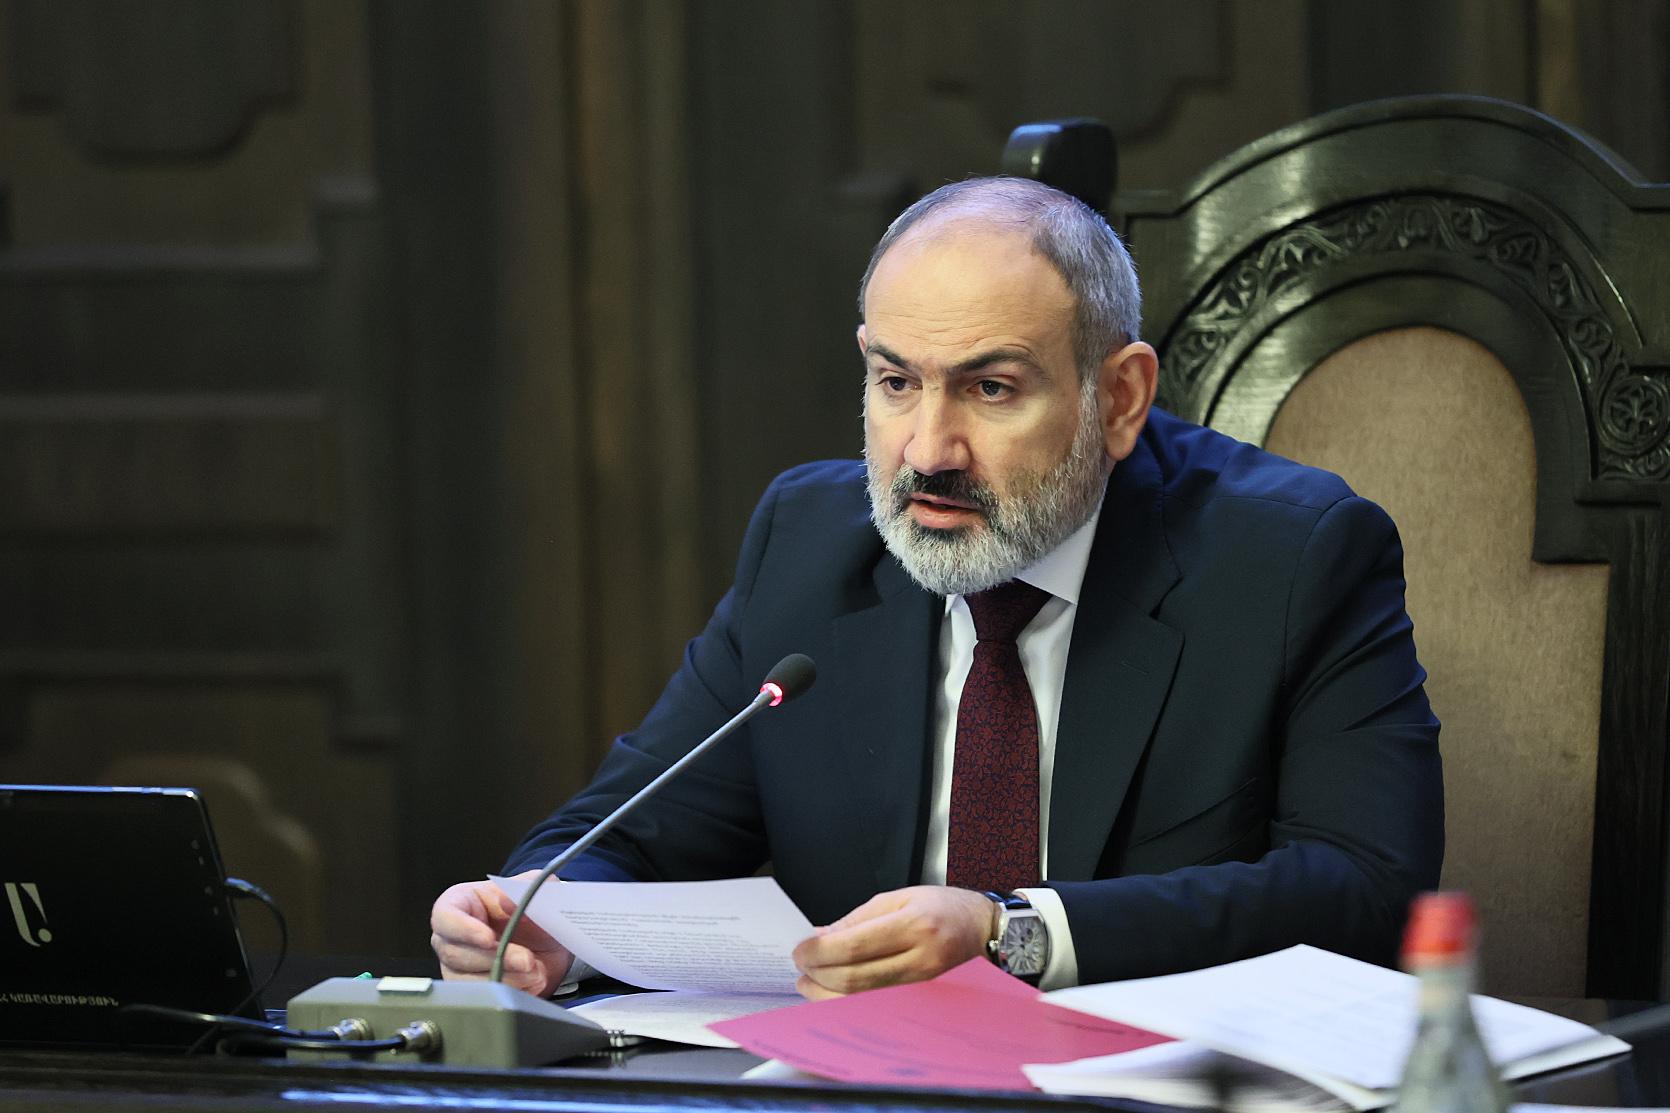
x,y
110,897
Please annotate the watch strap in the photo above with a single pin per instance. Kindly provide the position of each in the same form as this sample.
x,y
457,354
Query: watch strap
x,y
1008,900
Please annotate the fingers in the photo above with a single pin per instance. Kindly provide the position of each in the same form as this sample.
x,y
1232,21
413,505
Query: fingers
x,y
475,912
461,915
903,936
812,991
522,968
461,933
465,925
846,942
896,969
871,930
538,972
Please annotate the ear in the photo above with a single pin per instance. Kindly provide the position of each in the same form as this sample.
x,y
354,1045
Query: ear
x,y
1125,389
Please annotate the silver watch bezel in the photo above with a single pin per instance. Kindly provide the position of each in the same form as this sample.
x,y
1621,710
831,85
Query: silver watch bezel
x,y
1015,924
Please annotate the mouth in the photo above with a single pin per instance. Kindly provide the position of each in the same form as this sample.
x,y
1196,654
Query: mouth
x,y
942,501
937,512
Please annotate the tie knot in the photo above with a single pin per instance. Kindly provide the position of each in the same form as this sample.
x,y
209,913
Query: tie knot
x,y
1002,612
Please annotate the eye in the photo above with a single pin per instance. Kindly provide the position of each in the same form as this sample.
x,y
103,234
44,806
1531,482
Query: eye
x,y
894,384
992,388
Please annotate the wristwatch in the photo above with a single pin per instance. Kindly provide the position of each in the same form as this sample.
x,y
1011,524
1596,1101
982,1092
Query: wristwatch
x,y
1021,943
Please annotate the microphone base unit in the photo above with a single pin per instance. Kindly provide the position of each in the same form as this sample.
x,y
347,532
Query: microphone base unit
x,y
480,1024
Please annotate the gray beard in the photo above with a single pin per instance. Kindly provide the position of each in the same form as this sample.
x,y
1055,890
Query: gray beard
x,y
1036,514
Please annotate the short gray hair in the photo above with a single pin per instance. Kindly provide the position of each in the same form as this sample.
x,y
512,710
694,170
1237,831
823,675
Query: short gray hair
x,y
1076,239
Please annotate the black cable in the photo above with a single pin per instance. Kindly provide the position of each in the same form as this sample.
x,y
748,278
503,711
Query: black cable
x,y
238,887
419,1037
278,1042
241,888
191,1016
216,1021
225,1020
266,1034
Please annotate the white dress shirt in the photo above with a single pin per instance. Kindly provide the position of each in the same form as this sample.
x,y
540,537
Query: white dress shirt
x,y
1043,648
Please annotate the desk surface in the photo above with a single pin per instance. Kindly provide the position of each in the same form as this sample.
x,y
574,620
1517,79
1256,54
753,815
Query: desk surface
x,y
652,1077
672,1080
62,1082
656,1078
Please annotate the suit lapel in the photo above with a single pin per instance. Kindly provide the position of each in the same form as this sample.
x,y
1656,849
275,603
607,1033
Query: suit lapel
x,y
1119,668
888,652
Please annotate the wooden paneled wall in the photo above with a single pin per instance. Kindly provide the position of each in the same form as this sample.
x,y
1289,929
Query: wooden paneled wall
x,y
199,490
385,385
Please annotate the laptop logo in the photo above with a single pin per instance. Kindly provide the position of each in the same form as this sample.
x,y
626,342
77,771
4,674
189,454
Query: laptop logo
x,y
15,892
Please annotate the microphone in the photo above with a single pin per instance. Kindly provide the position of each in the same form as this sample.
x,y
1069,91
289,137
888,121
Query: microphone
x,y
489,1024
790,677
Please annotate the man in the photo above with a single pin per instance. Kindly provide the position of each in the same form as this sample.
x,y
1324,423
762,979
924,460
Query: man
x,y
1204,738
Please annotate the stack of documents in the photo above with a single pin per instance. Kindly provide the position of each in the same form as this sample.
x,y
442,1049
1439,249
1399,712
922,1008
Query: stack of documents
x,y
1298,1029
721,948
973,1027
1301,1029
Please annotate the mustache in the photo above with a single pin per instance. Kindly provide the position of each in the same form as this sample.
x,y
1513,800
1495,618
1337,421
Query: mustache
x,y
958,485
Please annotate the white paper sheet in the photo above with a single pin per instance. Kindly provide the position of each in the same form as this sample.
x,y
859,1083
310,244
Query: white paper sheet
x,y
1339,1023
1529,1107
775,1070
680,1016
733,936
1181,1073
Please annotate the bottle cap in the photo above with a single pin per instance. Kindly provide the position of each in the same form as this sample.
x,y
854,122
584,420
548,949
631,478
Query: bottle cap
x,y
1441,926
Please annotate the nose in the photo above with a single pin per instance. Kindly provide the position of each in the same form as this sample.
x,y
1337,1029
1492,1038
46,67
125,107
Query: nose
x,y
937,440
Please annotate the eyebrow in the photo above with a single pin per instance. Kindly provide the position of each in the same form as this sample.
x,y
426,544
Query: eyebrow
x,y
977,362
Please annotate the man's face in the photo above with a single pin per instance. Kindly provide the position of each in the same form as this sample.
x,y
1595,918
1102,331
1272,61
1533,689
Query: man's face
x,y
982,449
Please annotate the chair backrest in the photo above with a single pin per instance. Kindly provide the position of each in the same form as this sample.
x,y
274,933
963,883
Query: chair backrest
x,y
1463,307
257,843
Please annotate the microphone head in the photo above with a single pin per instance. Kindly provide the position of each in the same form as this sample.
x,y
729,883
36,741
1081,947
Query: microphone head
x,y
789,678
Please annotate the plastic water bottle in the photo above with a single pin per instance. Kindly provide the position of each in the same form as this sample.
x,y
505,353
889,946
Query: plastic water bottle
x,y
1449,1070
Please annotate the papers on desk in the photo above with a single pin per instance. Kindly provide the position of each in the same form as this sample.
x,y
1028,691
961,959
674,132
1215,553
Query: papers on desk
x,y
722,949
1340,1025
1301,1029
681,1016
1530,1107
972,1027
732,936
1186,1074
1298,1031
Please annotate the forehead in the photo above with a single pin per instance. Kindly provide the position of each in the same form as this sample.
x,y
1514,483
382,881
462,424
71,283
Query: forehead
x,y
967,283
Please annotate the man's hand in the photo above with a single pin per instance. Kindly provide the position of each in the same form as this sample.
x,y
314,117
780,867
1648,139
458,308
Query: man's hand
x,y
466,922
907,935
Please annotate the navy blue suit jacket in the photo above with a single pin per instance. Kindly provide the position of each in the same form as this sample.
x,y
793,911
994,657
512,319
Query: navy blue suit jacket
x,y
1245,757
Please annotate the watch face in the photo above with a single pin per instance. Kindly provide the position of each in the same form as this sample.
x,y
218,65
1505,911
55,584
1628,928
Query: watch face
x,y
1026,945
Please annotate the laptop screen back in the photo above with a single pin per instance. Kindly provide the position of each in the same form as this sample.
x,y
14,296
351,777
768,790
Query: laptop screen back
x,y
112,896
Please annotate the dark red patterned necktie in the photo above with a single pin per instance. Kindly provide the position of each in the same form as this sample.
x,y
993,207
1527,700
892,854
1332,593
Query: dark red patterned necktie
x,y
993,840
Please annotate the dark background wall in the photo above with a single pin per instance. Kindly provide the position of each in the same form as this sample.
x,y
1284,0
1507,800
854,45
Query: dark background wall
x,y
384,385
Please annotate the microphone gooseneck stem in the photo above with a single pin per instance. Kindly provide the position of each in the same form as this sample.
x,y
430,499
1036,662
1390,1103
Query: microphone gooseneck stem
x,y
581,845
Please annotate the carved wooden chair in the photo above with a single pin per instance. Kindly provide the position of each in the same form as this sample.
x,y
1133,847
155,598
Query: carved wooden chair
x,y
1463,307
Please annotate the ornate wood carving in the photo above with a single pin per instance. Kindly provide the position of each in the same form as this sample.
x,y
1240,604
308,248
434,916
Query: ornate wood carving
x,y
1628,407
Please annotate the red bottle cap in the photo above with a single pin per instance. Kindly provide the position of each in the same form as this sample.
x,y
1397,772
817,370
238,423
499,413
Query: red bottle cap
x,y
1441,926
